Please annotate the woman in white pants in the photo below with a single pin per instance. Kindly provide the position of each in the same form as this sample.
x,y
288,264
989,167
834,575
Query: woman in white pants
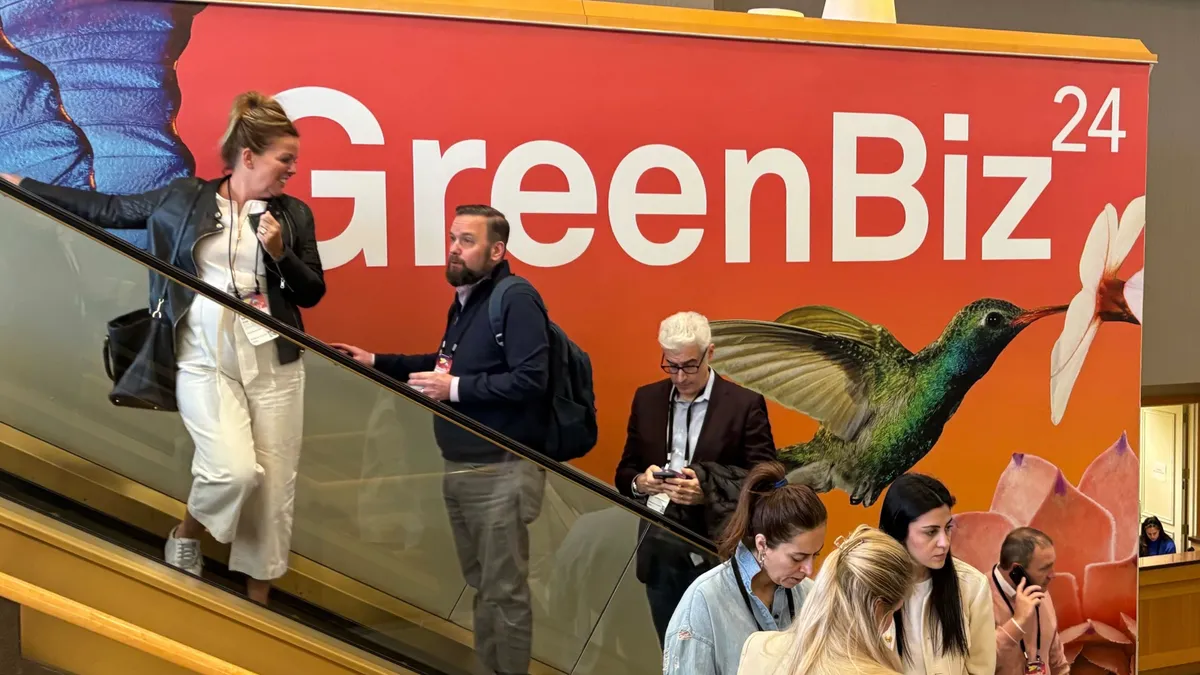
x,y
240,388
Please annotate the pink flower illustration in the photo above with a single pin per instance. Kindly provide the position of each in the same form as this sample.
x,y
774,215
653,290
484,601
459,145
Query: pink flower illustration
x,y
1095,530
1103,297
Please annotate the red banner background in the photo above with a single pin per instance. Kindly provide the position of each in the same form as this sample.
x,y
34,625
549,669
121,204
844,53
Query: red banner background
x,y
605,94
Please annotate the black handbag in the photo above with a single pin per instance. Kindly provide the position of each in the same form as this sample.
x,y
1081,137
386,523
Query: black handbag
x,y
139,358
139,354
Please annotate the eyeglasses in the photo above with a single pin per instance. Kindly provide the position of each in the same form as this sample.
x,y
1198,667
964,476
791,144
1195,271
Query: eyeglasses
x,y
691,368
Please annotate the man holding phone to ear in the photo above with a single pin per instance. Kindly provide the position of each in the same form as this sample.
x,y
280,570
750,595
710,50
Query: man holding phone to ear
x,y
692,417
1026,626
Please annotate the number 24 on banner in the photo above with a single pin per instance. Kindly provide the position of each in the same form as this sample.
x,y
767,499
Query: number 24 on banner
x,y
1111,105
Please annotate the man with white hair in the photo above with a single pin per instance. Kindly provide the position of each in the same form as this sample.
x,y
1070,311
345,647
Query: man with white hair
x,y
676,425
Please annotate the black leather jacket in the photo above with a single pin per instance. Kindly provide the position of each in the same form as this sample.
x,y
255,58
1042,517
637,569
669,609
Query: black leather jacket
x,y
295,280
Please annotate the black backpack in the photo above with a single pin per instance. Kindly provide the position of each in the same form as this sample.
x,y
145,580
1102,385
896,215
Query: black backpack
x,y
573,431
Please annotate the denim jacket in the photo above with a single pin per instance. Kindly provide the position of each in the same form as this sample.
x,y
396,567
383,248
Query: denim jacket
x,y
712,622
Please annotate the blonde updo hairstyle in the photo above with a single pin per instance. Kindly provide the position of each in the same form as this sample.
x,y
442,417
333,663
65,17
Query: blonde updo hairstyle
x,y
867,576
255,122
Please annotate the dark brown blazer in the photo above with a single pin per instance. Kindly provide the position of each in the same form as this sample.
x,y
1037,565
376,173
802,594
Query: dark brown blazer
x,y
736,430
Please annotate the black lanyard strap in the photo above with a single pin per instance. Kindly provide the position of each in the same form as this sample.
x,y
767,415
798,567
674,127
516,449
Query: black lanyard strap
x,y
737,574
1037,612
459,321
235,228
688,449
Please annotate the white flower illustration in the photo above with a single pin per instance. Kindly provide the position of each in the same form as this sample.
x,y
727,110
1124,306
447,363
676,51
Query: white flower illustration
x,y
1104,297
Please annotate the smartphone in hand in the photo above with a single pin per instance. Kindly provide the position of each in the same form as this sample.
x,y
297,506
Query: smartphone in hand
x,y
1017,574
663,475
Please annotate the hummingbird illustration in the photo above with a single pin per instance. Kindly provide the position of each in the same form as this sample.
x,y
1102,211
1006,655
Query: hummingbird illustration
x,y
881,407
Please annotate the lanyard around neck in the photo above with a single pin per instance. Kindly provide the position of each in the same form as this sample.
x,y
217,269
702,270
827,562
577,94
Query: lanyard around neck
x,y
1037,612
459,322
689,450
737,574
235,225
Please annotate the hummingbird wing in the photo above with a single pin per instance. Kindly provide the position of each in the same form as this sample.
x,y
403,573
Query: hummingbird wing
x,y
834,321
824,368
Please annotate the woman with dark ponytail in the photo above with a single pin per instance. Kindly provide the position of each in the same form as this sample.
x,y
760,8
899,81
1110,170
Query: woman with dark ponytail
x,y
946,625
769,546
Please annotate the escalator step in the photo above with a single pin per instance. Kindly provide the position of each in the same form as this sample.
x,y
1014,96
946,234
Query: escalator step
x,y
448,657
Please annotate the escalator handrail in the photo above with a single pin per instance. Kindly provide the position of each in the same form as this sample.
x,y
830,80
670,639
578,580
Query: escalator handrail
x,y
144,258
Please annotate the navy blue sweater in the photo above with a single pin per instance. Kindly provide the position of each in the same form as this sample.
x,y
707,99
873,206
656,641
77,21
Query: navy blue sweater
x,y
1163,546
502,388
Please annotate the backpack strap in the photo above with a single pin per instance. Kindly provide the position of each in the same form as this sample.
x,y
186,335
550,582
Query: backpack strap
x,y
496,305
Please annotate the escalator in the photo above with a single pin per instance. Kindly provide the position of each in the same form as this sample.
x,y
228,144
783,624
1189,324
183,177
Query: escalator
x,y
373,569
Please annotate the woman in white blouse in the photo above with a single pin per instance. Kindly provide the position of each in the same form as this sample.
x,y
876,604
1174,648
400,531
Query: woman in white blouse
x,y
239,387
946,625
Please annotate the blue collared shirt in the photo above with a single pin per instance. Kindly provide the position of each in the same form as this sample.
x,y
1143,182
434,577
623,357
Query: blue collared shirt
x,y
712,622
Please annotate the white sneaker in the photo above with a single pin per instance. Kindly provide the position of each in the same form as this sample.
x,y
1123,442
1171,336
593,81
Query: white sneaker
x,y
184,554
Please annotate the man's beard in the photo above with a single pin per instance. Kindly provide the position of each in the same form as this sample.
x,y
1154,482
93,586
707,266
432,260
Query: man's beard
x,y
463,275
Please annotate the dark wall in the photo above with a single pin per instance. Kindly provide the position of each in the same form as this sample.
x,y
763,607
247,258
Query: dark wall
x,y
1171,29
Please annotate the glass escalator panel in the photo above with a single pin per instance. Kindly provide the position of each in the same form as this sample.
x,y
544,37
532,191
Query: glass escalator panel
x,y
373,494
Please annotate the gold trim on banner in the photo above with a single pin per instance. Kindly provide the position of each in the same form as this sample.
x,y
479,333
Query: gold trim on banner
x,y
738,25
131,502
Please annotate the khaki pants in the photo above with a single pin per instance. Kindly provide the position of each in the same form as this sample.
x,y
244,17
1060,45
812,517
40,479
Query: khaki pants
x,y
490,508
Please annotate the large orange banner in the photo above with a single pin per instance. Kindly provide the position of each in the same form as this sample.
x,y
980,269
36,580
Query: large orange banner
x,y
944,205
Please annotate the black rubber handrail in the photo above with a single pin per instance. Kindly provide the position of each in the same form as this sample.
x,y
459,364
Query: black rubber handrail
x,y
144,258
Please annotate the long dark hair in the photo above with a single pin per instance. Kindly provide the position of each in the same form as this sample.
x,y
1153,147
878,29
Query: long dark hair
x,y
1144,541
910,497
769,506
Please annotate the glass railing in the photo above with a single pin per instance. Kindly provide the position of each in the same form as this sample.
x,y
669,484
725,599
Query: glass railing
x,y
370,491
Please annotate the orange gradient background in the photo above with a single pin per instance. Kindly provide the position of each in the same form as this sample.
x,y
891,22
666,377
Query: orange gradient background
x,y
606,93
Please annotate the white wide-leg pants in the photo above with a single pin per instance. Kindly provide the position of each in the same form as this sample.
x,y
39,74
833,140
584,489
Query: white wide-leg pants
x,y
245,414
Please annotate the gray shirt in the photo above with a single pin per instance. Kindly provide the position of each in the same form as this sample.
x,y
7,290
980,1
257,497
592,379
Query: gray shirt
x,y
712,621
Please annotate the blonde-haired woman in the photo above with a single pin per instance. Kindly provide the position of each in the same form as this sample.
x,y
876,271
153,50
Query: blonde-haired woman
x,y
240,390
840,628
